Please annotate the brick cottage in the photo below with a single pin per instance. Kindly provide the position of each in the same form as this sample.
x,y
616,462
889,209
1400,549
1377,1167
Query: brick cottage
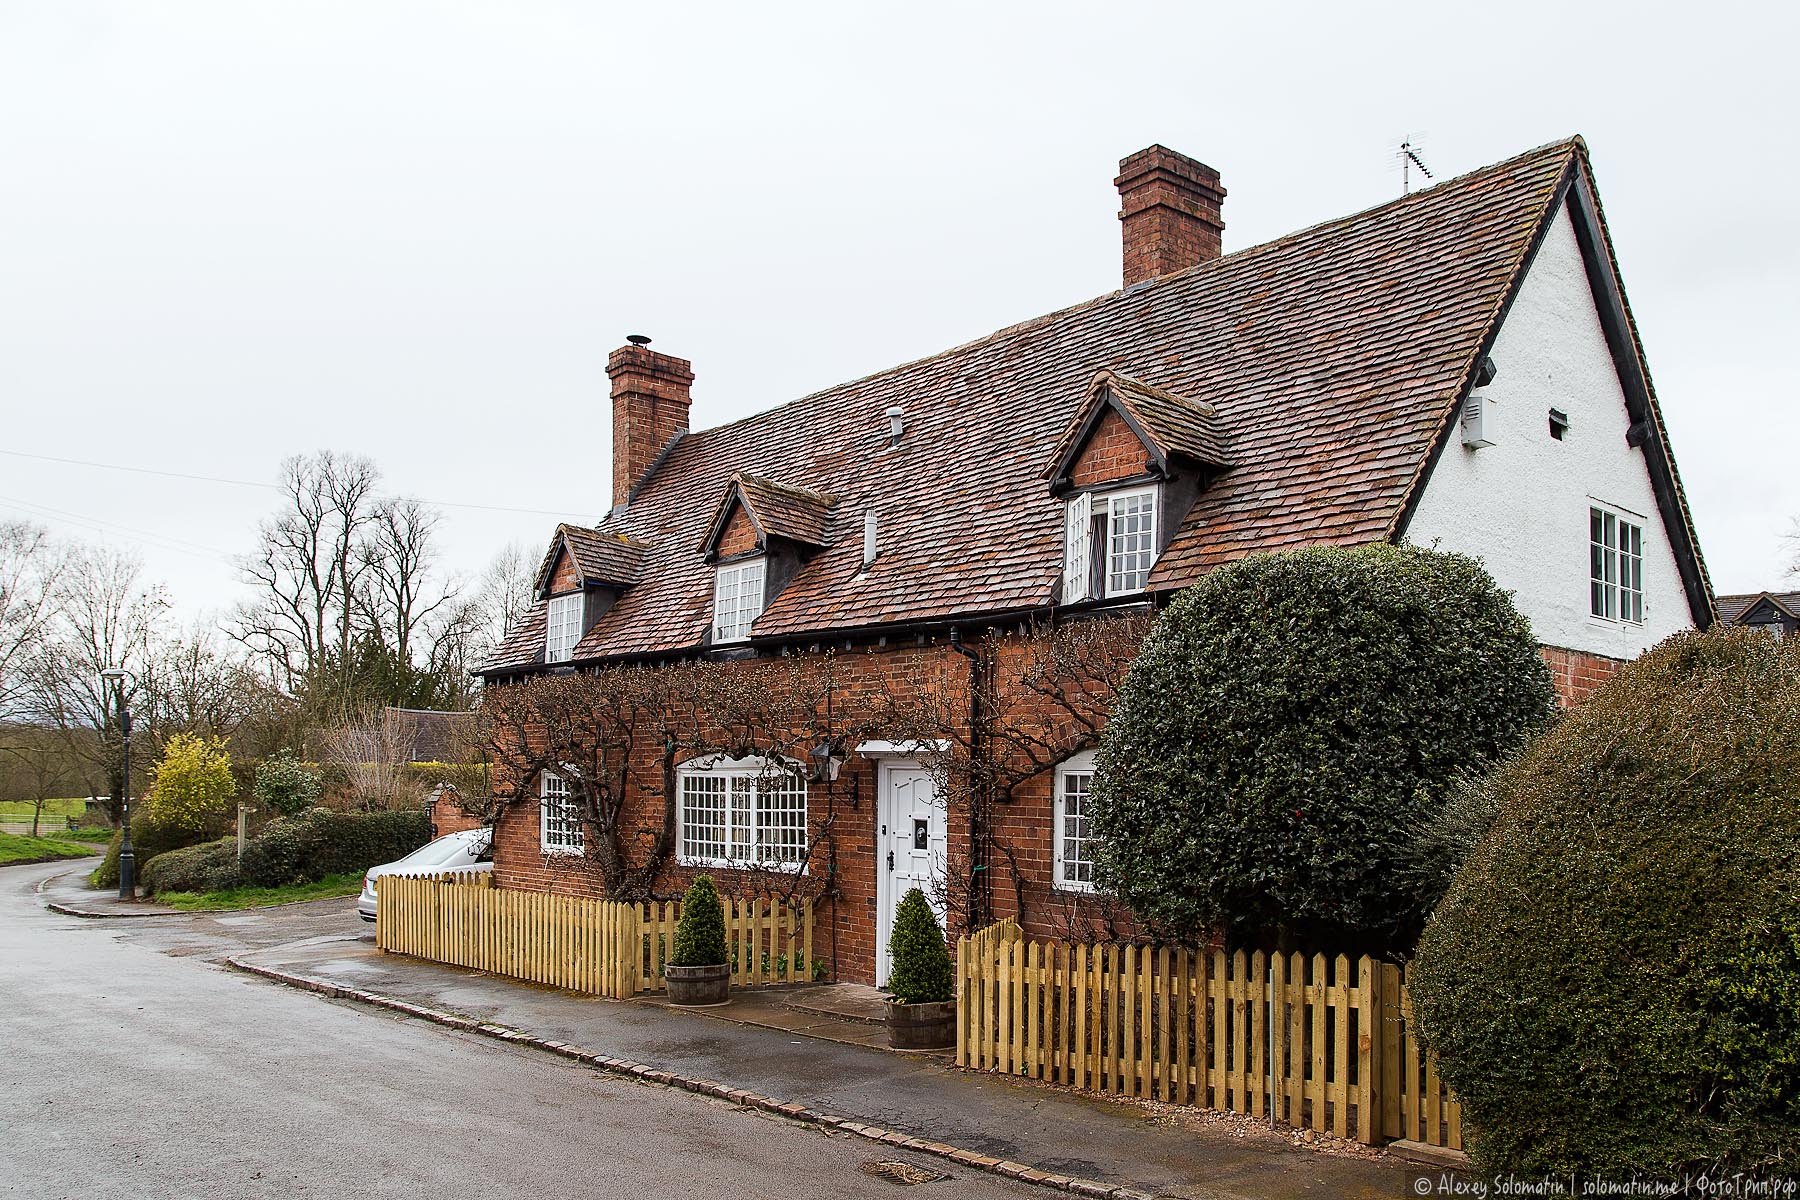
x,y
1457,368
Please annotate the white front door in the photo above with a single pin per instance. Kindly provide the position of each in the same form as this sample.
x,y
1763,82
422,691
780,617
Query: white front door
x,y
911,850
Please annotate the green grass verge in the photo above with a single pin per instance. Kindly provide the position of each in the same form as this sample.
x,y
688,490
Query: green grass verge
x,y
18,848
83,837
259,897
20,810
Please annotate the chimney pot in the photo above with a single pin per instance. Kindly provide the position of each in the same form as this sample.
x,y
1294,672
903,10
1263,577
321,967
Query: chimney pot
x,y
896,422
1169,211
650,402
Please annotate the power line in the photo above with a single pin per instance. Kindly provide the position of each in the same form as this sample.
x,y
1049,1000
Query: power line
x,y
159,541
80,462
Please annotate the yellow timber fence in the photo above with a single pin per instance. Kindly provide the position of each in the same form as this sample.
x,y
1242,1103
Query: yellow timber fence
x,y
603,947
1325,1043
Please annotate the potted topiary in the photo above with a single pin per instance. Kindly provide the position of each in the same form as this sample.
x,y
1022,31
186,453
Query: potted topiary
x,y
699,968
922,1013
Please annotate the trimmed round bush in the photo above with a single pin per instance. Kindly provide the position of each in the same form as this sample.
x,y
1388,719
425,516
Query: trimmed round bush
x,y
285,786
208,867
700,933
1290,720
1612,981
149,838
921,972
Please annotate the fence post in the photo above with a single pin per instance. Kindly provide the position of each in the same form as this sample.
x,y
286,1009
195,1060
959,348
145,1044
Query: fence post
x,y
1369,1098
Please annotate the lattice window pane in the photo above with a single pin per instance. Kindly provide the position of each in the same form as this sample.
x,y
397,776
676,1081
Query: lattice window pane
x,y
737,600
560,822
563,627
1130,541
703,816
781,818
1077,865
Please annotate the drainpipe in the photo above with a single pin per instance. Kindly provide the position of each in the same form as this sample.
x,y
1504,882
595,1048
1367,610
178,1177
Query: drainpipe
x,y
979,906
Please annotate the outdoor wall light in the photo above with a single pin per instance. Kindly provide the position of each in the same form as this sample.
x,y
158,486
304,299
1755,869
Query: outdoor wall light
x,y
825,761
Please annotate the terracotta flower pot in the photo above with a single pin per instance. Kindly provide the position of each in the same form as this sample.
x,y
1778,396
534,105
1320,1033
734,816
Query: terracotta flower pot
x,y
928,1026
698,987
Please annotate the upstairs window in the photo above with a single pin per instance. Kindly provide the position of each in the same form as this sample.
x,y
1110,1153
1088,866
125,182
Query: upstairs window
x,y
1109,544
1074,832
737,600
559,820
741,812
1615,567
564,627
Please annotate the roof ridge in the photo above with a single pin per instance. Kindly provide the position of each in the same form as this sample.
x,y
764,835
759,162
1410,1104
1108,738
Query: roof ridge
x,y
1572,143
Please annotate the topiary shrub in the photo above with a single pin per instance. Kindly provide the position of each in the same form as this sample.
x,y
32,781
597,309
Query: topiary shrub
x,y
285,786
208,867
1290,719
1612,982
921,972
700,933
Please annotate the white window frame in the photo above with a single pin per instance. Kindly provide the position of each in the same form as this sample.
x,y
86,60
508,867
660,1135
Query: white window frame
x,y
1088,512
561,833
562,627
748,793
1080,767
1615,565
1114,501
735,605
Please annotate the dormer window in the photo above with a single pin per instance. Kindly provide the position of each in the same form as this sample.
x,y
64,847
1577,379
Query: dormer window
x,y
1109,543
737,599
563,628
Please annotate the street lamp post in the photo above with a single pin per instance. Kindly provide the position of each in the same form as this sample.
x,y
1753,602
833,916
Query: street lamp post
x,y
127,859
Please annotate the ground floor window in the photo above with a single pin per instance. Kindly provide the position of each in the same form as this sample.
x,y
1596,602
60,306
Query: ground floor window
x,y
741,812
1073,830
559,816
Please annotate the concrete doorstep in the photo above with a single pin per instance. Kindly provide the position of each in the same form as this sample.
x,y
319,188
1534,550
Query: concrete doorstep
x,y
768,1057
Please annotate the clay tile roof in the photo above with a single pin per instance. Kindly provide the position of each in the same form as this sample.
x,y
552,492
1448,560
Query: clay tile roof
x,y
605,559
1731,608
1331,361
778,510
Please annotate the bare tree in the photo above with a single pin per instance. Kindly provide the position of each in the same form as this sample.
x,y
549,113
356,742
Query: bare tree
x,y
400,590
106,616
30,568
308,564
196,685
372,750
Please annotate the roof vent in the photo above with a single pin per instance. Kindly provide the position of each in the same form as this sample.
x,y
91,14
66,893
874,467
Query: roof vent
x,y
637,339
868,538
896,422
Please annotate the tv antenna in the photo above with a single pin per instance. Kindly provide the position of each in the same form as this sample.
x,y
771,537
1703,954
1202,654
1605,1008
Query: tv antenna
x,y
1409,158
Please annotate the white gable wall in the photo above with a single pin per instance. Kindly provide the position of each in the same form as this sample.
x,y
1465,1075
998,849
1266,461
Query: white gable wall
x,y
1521,504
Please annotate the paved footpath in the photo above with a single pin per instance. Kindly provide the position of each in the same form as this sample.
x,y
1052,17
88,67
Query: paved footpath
x,y
1046,1128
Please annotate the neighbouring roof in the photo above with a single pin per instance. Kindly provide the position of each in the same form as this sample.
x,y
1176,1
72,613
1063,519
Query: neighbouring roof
x,y
776,510
1333,361
432,735
607,559
1733,607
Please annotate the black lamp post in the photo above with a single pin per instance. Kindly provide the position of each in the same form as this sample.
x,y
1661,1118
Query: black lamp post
x,y
127,859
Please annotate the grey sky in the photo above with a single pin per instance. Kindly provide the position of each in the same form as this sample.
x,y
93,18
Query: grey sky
x,y
234,231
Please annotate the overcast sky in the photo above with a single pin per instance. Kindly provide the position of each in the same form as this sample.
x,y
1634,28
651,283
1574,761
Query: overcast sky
x,y
231,232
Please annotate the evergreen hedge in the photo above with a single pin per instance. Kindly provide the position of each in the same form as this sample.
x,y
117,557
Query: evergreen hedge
x,y
700,933
921,972
301,849
1612,982
1289,721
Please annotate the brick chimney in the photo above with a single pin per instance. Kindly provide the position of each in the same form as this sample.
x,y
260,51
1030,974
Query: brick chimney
x,y
1170,213
649,406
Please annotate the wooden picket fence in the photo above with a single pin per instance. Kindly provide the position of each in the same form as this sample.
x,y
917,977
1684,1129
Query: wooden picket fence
x,y
602,947
1333,1052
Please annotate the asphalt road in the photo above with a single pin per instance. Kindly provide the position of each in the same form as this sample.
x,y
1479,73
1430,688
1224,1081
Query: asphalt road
x,y
134,1066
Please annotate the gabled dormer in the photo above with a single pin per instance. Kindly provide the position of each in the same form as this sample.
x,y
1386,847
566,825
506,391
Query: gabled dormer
x,y
1127,468
583,574
760,535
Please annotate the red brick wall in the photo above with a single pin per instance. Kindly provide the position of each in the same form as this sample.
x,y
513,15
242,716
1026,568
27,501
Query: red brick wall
x,y
1112,452
650,401
739,535
1577,673
562,577
447,816
843,873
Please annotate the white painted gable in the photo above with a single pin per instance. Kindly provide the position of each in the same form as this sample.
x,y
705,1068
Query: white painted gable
x,y
1521,504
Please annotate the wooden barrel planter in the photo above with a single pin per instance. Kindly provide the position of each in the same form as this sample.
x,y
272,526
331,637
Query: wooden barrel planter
x,y
698,987
928,1026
